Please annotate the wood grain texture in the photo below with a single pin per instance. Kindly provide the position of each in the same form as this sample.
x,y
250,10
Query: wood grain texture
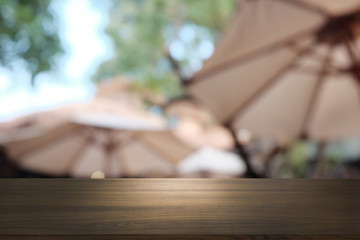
x,y
186,237
179,209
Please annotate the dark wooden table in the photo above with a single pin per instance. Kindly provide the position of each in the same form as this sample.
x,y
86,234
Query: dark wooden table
x,y
179,209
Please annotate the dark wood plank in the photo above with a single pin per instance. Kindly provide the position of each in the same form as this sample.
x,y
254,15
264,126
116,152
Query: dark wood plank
x,y
179,209
186,237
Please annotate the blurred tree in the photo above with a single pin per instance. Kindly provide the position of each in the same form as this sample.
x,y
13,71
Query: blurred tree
x,y
159,42
28,33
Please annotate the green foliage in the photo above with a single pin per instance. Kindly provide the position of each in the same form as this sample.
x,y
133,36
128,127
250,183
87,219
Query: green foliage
x,y
28,32
142,31
297,158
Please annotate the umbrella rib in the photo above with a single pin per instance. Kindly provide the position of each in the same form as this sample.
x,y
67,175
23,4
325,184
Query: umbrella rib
x,y
121,162
310,109
307,6
75,158
135,135
311,70
240,110
306,70
317,56
247,57
354,58
46,140
158,151
161,154
109,153
138,136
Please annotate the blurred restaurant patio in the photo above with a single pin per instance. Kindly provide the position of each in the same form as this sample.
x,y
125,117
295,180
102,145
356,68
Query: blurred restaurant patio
x,y
278,98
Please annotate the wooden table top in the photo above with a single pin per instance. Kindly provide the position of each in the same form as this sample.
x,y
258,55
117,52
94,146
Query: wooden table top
x,y
179,209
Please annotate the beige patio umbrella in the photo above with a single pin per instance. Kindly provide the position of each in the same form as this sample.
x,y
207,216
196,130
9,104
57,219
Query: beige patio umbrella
x,y
119,89
39,122
287,68
117,147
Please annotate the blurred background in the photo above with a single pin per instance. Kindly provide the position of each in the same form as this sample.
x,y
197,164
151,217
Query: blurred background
x,y
101,89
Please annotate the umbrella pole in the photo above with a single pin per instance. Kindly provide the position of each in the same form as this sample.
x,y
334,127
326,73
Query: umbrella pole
x,y
109,151
240,150
320,160
243,154
270,156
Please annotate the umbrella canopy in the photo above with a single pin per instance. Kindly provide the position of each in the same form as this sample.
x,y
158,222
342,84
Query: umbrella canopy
x,y
119,89
113,88
83,147
287,69
106,109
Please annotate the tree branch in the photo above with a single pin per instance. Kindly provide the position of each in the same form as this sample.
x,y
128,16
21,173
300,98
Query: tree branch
x,y
175,67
